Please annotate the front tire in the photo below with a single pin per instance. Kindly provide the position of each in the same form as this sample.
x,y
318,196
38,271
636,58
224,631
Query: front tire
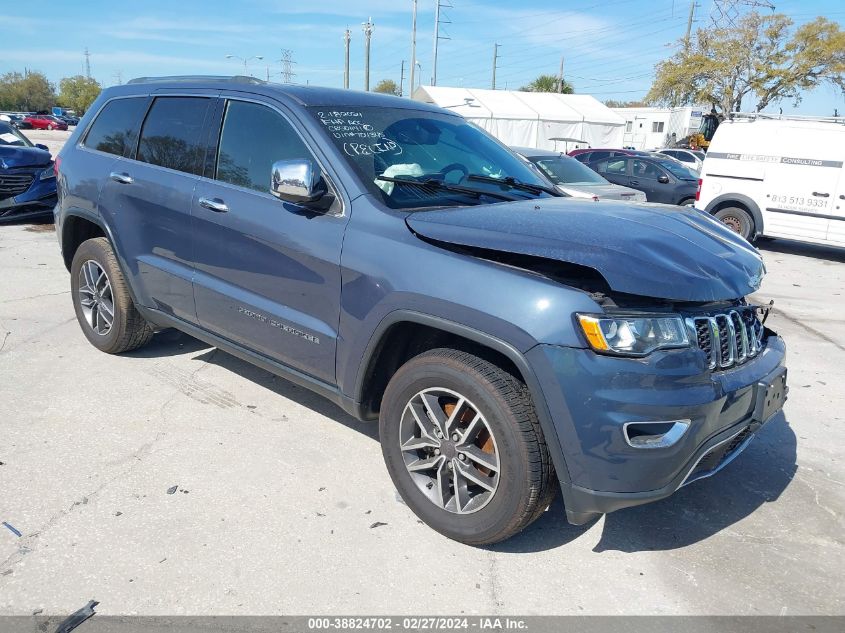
x,y
463,446
101,299
50,126
737,220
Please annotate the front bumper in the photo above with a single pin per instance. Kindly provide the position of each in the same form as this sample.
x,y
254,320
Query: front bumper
x,y
37,201
591,397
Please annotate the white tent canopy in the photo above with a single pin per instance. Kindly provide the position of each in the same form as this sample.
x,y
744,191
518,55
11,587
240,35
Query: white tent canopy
x,y
532,119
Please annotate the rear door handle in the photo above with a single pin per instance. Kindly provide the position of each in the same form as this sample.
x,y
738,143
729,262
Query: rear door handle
x,y
821,195
214,204
635,182
122,177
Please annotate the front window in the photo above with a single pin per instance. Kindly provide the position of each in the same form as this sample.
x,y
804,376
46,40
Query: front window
x,y
10,136
435,155
563,170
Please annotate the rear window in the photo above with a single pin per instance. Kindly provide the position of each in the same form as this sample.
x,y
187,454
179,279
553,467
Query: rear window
x,y
115,130
172,133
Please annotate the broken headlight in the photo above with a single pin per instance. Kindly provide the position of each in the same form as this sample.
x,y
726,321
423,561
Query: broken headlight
x,y
633,335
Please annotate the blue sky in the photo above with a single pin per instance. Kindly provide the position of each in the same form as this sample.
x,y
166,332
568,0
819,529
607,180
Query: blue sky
x,y
610,47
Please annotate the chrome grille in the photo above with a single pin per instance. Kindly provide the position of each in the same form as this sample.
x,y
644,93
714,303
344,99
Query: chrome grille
x,y
728,339
14,184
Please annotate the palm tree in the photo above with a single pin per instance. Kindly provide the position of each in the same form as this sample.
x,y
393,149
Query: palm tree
x,y
548,83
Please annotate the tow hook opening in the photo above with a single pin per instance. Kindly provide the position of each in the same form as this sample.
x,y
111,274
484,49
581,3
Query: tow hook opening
x,y
656,434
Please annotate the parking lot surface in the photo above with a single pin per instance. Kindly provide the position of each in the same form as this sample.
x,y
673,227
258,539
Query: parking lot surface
x,y
180,480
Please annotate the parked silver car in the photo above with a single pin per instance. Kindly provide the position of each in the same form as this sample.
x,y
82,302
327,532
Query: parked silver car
x,y
574,178
692,158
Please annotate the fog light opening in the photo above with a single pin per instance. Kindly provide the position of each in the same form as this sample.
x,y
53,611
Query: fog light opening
x,y
657,434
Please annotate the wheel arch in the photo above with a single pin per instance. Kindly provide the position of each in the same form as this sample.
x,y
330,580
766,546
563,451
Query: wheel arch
x,y
727,200
76,228
403,334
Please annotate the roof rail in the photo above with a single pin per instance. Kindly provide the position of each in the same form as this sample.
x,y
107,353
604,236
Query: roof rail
x,y
753,116
236,79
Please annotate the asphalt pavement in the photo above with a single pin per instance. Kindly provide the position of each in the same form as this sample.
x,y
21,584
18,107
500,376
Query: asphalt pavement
x,y
180,480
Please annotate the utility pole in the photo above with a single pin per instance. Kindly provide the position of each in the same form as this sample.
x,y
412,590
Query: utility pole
x,y
346,38
87,63
495,63
413,49
287,61
268,73
438,37
368,33
402,78
689,24
560,77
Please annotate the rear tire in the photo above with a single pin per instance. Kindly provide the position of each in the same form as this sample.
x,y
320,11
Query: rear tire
x,y
519,483
101,299
687,202
737,220
50,126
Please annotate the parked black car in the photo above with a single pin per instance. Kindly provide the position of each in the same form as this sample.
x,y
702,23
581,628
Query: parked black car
x,y
27,177
70,120
662,180
20,122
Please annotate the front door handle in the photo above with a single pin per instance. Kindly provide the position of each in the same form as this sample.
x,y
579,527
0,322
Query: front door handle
x,y
122,177
214,204
634,182
821,195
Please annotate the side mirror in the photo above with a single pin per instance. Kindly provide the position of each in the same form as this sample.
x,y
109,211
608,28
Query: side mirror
x,y
42,146
663,180
297,181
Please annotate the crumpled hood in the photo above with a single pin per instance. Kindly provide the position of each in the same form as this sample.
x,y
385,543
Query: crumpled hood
x,y
661,251
23,157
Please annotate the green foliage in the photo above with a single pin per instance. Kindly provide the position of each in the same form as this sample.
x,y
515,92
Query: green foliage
x,y
548,83
29,92
760,57
78,93
387,86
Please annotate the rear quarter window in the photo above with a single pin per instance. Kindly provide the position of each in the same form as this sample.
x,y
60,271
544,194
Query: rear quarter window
x,y
115,130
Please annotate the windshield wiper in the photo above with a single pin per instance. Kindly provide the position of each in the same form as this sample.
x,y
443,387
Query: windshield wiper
x,y
513,183
432,183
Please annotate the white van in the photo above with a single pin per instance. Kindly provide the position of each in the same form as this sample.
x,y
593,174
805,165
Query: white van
x,y
778,178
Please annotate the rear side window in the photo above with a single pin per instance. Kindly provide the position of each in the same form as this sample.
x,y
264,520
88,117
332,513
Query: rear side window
x,y
115,130
253,138
172,133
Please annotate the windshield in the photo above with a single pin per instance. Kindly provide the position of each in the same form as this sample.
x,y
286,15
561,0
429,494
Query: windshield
x,y
563,170
10,136
679,170
420,146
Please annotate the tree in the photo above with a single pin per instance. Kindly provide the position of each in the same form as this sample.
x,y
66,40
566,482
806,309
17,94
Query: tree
x,y
388,87
758,58
28,92
78,93
613,103
547,83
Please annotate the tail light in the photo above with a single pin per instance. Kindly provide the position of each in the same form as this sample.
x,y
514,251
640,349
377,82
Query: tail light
x,y
697,192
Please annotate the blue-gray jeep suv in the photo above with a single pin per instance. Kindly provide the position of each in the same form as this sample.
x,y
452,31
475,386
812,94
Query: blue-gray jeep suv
x,y
401,262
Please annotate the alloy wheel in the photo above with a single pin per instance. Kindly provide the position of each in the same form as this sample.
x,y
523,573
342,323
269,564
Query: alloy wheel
x,y
95,297
449,450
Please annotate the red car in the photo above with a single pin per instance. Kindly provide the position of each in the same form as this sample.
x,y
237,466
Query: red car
x,y
45,122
